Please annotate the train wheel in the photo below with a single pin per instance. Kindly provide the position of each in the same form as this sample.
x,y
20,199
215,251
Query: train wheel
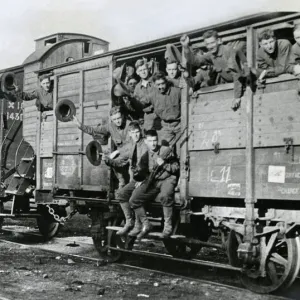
x,y
282,265
233,241
103,238
1,211
48,227
188,251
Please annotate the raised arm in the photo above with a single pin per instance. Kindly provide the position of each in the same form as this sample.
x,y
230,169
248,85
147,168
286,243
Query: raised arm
x,y
101,130
26,96
197,60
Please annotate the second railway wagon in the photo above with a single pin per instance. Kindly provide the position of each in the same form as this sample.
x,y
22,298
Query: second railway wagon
x,y
240,170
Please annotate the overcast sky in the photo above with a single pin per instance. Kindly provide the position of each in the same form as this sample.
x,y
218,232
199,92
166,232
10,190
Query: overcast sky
x,y
121,22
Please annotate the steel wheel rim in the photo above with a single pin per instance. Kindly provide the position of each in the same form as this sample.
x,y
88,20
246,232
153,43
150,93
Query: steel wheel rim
x,y
282,267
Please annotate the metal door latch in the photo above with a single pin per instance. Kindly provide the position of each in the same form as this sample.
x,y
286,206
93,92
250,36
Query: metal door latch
x,y
216,147
288,144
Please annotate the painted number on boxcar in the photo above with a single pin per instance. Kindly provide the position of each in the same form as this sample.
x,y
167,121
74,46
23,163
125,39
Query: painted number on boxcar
x,y
12,114
206,140
220,175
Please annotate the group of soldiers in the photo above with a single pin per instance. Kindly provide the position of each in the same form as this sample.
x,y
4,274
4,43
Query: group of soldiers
x,y
145,101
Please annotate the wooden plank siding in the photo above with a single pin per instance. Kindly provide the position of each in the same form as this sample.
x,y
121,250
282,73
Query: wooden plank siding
x,y
276,110
89,89
211,120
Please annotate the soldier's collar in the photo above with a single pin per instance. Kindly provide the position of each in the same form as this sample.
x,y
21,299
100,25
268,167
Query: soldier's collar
x,y
145,83
220,50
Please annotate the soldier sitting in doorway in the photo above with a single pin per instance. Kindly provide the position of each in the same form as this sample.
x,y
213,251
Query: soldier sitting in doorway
x,y
273,56
118,130
227,61
132,151
295,51
43,95
163,187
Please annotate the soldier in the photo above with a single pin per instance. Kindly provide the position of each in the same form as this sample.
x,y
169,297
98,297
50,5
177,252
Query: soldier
x,y
131,83
273,55
295,51
133,151
173,60
163,188
173,73
120,95
118,129
166,100
43,95
143,88
224,60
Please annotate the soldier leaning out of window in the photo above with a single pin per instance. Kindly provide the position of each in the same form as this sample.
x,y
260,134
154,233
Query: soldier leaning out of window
x,y
227,61
295,51
273,56
118,130
43,95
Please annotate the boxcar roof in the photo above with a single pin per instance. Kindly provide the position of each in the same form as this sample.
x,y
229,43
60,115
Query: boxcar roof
x,y
71,33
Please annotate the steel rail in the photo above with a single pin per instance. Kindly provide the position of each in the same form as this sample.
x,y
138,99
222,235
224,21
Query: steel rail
x,y
169,257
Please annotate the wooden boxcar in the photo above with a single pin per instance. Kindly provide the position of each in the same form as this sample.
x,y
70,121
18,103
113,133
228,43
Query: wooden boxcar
x,y
240,170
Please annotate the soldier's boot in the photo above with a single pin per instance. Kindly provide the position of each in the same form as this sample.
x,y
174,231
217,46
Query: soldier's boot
x,y
146,225
137,227
128,219
168,215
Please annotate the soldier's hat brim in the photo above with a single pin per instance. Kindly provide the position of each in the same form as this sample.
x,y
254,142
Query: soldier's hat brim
x,y
172,54
119,89
120,72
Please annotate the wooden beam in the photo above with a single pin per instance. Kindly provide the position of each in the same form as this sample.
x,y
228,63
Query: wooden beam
x,y
250,179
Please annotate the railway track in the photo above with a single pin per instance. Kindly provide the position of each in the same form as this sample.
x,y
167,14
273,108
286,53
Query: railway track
x,y
215,276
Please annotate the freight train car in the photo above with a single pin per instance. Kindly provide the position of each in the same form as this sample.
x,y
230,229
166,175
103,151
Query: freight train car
x,y
239,169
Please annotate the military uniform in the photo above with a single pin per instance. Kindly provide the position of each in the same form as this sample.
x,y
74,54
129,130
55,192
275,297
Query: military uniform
x,y
120,136
167,107
295,55
276,63
44,99
174,81
163,188
133,152
224,63
141,90
165,180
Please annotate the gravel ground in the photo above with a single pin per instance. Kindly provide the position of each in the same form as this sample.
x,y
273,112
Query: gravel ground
x,y
27,273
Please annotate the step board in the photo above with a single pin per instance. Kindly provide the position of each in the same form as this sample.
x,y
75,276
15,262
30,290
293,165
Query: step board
x,y
150,234
179,238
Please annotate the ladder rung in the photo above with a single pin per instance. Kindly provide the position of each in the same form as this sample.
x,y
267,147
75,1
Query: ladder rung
x,y
113,228
11,192
20,175
197,213
27,158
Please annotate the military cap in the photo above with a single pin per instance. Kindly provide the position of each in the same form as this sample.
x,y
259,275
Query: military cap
x,y
172,54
